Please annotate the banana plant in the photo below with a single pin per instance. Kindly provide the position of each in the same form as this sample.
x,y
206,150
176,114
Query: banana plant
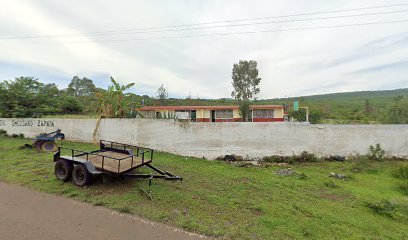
x,y
112,103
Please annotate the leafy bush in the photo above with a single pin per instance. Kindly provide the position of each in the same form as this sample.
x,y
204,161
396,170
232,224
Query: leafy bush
x,y
376,153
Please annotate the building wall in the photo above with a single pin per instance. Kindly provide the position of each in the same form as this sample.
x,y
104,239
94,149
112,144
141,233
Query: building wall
x,y
214,139
268,119
207,114
278,113
204,115
200,113
236,114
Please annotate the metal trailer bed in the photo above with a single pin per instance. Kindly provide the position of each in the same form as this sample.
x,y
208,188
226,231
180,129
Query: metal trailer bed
x,y
112,158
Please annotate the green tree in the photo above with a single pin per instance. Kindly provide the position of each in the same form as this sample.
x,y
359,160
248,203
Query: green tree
x,y
245,82
397,113
315,115
27,97
70,104
81,87
162,94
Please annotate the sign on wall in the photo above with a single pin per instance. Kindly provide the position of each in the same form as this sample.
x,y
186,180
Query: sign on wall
x,y
182,115
26,123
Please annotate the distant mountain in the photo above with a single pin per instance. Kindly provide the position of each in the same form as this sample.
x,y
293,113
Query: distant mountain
x,y
348,95
362,106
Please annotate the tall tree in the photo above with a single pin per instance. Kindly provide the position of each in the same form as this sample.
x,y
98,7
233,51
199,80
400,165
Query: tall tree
x,y
162,94
81,87
397,113
245,82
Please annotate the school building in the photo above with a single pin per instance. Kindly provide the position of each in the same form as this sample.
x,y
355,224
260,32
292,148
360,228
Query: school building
x,y
258,113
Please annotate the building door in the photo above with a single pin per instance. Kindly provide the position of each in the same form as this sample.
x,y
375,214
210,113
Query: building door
x,y
212,115
193,115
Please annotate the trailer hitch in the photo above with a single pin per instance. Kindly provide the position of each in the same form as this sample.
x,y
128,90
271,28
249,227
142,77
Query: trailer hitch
x,y
161,174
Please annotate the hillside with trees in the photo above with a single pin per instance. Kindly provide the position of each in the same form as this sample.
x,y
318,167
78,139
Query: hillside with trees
x,y
29,97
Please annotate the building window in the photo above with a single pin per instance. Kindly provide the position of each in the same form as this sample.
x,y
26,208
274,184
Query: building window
x,y
223,114
263,113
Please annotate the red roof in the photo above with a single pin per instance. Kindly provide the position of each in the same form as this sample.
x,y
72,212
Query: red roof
x,y
155,108
265,106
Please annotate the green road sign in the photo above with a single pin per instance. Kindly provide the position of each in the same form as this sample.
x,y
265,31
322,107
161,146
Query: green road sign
x,y
296,105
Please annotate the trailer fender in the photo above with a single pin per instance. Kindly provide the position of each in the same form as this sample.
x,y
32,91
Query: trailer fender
x,y
91,168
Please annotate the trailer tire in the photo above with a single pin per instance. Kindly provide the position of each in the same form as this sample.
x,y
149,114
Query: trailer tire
x,y
37,144
48,146
63,170
81,176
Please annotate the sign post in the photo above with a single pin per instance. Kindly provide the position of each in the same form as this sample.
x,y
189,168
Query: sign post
x,y
307,113
296,106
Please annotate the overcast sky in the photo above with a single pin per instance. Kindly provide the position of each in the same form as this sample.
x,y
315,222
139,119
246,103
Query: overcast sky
x,y
92,39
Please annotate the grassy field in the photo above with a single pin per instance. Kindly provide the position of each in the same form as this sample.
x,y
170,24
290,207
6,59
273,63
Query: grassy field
x,y
232,202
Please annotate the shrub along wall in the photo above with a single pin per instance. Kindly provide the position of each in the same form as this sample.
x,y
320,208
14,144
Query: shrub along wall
x,y
210,140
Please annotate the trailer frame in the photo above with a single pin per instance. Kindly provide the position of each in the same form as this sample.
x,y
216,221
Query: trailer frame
x,y
142,157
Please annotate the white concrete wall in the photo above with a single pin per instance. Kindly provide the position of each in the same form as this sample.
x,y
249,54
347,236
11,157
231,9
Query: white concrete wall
x,y
214,139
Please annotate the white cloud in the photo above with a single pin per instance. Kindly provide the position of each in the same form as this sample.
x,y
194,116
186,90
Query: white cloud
x,y
290,63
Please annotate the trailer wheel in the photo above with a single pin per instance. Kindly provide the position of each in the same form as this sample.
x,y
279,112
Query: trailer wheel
x,y
37,144
63,170
81,176
48,146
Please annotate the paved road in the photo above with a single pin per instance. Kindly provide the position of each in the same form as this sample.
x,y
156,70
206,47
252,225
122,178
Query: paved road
x,y
27,214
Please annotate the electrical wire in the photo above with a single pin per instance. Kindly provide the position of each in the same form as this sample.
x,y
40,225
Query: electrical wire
x,y
163,29
236,33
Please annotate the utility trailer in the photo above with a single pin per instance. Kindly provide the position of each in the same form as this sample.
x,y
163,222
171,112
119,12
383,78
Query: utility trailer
x,y
112,158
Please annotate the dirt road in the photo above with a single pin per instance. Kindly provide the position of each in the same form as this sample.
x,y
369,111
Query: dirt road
x,y
27,214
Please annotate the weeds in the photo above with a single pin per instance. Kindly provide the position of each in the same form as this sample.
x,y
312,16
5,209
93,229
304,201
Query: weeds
x,y
303,157
376,153
389,208
124,209
384,207
331,184
4,133
302,176
402,174
231,202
